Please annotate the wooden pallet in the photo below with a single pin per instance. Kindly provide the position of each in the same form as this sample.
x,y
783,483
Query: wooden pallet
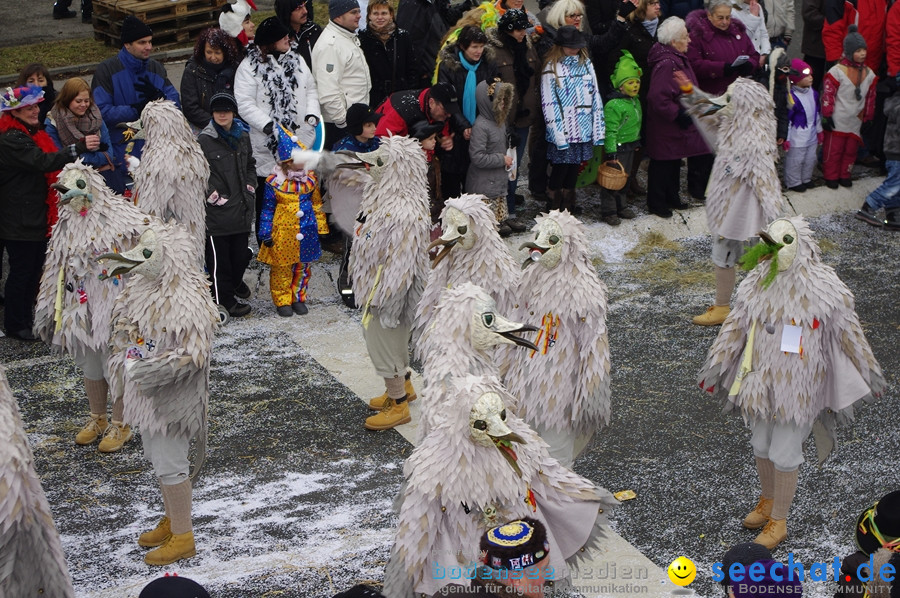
x,y
172,21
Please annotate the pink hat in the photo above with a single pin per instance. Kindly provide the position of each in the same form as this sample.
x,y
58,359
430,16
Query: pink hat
x,y
799,70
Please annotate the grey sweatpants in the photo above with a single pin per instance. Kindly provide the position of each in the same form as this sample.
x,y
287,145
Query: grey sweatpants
x,y
798,165
168,455
388,347
779,442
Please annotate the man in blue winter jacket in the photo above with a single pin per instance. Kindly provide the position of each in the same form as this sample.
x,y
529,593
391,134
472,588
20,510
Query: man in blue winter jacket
x,y
127,82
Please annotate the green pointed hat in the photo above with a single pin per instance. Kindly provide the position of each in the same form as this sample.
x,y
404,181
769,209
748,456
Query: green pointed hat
x,y
625,69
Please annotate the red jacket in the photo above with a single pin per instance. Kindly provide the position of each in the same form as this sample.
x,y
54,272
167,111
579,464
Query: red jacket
x,y
892,40
867,15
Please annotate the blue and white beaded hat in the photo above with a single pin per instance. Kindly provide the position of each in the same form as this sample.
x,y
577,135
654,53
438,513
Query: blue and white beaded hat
x,y
515,545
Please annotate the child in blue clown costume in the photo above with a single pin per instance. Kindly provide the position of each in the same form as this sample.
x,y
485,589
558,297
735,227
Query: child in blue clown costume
x,y
289,228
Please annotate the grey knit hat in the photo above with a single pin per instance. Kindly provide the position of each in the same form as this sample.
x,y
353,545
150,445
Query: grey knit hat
x,y
853,42
337,8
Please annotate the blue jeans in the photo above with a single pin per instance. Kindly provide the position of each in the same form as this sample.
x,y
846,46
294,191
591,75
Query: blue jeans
x,y
887,195
522,132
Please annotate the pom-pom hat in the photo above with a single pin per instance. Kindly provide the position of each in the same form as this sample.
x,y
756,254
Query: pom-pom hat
x,y
853,41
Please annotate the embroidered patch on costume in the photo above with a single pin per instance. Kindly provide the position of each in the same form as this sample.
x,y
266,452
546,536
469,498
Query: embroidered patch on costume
x,y
329,68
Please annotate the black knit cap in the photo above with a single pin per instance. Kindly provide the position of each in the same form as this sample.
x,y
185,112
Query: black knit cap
x,y
879,524
173,586
515,545
270,31
443,93
223,101
746,554
513,19
134,29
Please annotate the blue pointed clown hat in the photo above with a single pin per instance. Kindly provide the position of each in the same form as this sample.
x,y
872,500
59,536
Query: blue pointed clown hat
x,y
287,143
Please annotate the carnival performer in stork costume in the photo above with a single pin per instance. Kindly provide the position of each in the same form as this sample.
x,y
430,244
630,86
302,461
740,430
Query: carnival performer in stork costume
x,y
460,340
74,305
163,325
791,352
470,250
171,179
563,387
389,265
479,467
744,193
32,562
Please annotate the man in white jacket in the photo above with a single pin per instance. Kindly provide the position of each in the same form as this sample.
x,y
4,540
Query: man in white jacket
x,y
780,22
339,67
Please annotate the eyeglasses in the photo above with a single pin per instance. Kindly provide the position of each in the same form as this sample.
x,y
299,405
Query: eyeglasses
x,y
576,16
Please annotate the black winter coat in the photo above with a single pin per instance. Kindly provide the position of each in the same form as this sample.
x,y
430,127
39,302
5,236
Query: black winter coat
x,y
199,83
427,21
391,64
23,187
638,41
230,171
307,37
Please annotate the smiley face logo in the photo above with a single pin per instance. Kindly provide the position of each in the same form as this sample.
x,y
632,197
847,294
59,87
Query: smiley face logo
x,y
682,571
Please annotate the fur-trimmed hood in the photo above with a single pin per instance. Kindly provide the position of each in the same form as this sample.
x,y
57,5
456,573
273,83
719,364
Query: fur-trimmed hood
x,y
449,55
497,104
495,41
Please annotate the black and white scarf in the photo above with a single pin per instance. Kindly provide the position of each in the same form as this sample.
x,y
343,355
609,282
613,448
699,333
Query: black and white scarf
x,y
280,77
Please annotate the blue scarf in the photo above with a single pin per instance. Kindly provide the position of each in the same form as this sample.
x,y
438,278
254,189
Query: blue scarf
x,y
468,97
650,26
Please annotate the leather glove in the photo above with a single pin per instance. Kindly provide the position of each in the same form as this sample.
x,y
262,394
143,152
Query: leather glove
x,y
626,8
81,146
269,128
728,70
139,107
683,120
146,90
828,123
745,70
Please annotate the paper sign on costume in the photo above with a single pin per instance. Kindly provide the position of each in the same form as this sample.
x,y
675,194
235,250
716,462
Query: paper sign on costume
x,y
790,338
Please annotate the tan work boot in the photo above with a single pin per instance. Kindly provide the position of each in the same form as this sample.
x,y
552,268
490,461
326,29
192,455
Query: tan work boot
x,y
92,430
377,404
117,434
759,516
773,534
393,414
713,316
176,547
158,535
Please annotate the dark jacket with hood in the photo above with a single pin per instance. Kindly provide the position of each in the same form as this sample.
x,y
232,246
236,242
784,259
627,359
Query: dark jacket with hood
x,y
638,41
527,109
671,135
451,71
427,21
391,63
487,147
230,171
199,83
712,51
306,38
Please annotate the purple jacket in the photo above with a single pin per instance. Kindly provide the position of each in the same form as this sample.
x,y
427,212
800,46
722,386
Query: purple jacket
x,y
711,49
665,139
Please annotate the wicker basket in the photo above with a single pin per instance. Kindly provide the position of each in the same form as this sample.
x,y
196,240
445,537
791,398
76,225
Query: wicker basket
x,y
611,175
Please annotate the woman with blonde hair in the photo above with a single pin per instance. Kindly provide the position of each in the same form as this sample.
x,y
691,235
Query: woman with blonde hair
x,y
74,116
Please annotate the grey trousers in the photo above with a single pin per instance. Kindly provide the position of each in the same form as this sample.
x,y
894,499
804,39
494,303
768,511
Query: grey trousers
x,y
779,442
726,252
168,455
798,165
388,347
92,363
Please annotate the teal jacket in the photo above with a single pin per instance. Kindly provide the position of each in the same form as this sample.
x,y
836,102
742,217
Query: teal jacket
x,y
623,121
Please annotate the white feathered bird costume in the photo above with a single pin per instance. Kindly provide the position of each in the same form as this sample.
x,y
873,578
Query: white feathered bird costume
x,y
32,562
480,467
388,262
173,175
74,306
747,366
563,388
466,327
471,251
744,192
163,327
